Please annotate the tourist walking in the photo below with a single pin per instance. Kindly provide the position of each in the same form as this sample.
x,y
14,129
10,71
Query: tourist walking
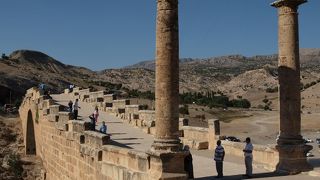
x,y
103,128
94,118
70,106
219,157
248,157
75,108
96,114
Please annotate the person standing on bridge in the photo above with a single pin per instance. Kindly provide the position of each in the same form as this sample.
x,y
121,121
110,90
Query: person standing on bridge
x,y
70,106
94,118
248,157
103,128
96,114
75,108
219,157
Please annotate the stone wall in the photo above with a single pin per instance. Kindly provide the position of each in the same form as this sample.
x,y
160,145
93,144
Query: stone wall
x,y
194,137
266,155
131,114
69,151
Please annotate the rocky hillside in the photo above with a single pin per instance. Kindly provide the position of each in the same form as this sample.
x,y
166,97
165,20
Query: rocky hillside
x,y
235,75
24,68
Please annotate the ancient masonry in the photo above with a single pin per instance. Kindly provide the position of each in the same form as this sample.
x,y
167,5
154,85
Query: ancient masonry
x,y
70,151
290,143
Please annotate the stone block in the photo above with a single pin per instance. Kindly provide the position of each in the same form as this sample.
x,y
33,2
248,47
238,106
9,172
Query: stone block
x,y
53,117
146,130
96,139
195,133
152,130
46,111
66,91
183,122
109,98
120,104
54,109
79,126
147,115
149,123
65,116
193,144
165,163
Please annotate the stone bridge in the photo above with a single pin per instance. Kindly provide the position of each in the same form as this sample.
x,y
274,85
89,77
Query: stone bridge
x,y
70,151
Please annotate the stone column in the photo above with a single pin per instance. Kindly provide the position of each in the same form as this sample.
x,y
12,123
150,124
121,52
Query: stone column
x,y
214,132
167,77
290,144
167,156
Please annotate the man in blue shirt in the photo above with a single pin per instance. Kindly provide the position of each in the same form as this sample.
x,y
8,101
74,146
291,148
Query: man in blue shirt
x,y
218,157
103,128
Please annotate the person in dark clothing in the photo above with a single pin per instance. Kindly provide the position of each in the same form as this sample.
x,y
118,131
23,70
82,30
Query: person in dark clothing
x,y
93,122
70,106
218,157
188,165
75,107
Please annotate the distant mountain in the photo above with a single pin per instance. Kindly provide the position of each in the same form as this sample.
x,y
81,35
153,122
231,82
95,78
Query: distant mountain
x,y
308,57
234,75
25,68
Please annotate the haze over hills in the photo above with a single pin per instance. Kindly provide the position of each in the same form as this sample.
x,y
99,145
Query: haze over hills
x,y
235,75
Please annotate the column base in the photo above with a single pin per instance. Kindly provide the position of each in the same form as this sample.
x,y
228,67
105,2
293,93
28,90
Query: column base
x,y
167,165
292,158
170,145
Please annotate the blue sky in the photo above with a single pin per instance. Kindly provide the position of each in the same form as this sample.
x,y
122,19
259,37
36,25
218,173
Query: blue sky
x,y
101,34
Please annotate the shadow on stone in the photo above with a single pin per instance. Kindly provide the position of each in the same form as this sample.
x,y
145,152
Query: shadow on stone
x,y
114,122
127,138
255,176
115,143
315,162
116,133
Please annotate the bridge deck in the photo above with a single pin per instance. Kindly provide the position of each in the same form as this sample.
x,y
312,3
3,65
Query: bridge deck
x,y
125,135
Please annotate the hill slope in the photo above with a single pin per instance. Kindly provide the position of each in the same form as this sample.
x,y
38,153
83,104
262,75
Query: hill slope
x,y
234,75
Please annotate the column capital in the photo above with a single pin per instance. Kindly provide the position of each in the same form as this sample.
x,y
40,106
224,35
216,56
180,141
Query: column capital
x,y
294,3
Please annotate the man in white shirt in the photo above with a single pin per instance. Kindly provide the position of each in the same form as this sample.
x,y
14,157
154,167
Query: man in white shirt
x,y
248,157
75,109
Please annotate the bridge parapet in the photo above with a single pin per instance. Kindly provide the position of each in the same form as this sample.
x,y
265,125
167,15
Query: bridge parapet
x,y
70,151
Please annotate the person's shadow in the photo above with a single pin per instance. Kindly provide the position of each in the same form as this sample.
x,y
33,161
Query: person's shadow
x,y
254,176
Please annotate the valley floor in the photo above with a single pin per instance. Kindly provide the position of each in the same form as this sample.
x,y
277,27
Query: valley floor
x,y
14,164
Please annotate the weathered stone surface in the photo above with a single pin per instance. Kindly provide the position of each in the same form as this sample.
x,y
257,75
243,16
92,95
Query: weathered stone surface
x,y
73,152
290,143
95,139
195,144
265,155
183,122
78,126
214,132
167,70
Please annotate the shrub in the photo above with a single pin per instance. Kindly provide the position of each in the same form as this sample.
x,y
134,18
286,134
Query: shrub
x,y
265,100
37,116
240,103
184,110
272,90
3,56
15,164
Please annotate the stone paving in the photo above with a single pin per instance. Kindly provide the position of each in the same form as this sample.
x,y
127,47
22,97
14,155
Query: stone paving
x,y
125,135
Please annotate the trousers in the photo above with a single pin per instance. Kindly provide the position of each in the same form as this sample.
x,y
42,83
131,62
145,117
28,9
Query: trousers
x,y
219,168
248,163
